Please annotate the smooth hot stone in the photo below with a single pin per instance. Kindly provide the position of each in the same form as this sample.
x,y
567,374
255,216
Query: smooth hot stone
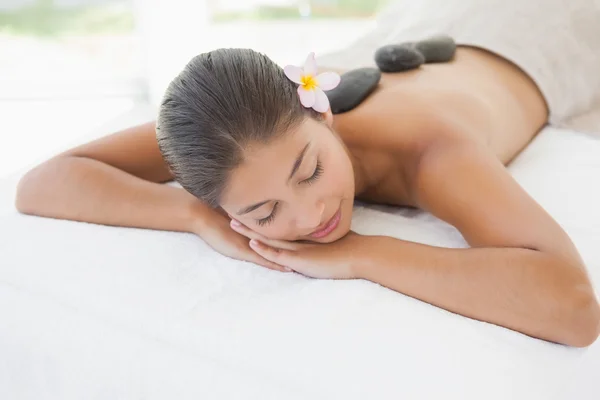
x,y
439,48
398,57
354,87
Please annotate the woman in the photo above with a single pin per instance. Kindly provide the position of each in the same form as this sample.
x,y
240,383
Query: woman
x,y
256,164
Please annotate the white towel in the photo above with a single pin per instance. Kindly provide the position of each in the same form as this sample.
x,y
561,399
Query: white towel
x,y
556,42
96,312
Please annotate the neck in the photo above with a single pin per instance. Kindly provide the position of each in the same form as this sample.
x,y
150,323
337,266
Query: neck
x,y
360,182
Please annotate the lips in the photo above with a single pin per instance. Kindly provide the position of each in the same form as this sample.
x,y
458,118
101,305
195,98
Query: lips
x,y
329,226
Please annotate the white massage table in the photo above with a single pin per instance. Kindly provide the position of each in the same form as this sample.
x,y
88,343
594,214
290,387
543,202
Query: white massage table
x,y
97,312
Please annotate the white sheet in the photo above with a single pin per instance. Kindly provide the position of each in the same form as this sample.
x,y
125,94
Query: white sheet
x,y
98,312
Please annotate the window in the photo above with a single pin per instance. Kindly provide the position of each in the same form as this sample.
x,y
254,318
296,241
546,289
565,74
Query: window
x,y
66,66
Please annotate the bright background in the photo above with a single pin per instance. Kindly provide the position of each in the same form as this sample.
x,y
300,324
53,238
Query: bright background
x,y
68,67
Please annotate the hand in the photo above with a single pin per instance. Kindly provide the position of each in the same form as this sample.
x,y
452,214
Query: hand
x,y
217,233
335,260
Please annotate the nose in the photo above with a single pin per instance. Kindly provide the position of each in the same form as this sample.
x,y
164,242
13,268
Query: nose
x,y
310,216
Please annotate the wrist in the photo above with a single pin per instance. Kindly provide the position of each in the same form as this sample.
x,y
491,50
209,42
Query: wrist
x,y
364,258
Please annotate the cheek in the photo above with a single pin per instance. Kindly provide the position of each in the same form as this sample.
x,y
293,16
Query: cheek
x,y
335,183
340,176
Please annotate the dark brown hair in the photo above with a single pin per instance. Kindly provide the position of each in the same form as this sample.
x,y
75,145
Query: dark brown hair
x,y
220,103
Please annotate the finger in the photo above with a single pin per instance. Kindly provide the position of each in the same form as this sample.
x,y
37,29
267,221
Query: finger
x,y
278,244
253,256
257,259
241,229
250,234
275,255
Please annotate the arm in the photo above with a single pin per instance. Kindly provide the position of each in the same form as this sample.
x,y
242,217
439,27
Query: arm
x,y
522,272
114,180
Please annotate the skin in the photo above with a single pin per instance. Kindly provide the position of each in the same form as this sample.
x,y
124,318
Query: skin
x,y
437,138
477,98
295,207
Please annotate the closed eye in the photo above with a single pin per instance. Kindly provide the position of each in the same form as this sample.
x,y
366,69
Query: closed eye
x,y
269,219
318,172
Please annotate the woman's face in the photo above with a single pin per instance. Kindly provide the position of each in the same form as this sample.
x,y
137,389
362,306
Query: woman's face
x,y
299,187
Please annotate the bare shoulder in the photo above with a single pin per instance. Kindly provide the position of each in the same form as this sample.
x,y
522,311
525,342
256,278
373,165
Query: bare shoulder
x,y
466,185
391,132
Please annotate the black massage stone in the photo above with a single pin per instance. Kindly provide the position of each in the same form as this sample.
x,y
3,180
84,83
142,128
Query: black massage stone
x,y
398,57
410,55
439,48
353,88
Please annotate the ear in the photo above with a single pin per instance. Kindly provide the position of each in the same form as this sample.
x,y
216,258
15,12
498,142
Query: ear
x,y
328,117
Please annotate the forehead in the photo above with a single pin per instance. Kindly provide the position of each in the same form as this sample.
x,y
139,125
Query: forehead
x,y
266,167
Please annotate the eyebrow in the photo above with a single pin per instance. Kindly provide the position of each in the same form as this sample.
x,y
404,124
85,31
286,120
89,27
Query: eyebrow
x,y
297,164
298,161
252,207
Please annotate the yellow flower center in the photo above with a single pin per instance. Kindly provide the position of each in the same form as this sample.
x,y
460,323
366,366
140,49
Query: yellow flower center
x,y
309,82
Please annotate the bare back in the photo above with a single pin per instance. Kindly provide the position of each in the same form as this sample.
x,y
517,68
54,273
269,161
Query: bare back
x,y
483,96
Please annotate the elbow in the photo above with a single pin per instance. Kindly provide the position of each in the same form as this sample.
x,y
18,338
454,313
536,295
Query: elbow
x,y
574,317
23,194
582,323
28,187
587,323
